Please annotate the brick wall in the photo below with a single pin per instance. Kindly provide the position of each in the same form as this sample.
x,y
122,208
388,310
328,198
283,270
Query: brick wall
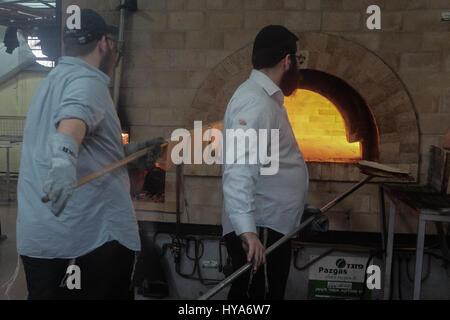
x,y
172,46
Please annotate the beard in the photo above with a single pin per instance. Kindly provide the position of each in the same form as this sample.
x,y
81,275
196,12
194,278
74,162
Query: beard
x,y
290,79
107,63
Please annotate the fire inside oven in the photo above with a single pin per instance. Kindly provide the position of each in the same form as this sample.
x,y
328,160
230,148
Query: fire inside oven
x,y
146,185
320,129
331,121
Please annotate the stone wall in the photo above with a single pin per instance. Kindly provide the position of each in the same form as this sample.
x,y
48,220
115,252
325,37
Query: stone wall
x,y
172,47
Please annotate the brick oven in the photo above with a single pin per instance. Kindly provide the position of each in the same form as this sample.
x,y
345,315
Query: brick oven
x,y
349,106
349,98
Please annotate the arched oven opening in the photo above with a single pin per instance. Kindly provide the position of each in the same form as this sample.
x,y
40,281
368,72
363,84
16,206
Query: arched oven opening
x,y
331,121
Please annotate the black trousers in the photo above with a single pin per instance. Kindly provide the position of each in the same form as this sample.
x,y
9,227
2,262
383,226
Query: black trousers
x,y
278,265
105,274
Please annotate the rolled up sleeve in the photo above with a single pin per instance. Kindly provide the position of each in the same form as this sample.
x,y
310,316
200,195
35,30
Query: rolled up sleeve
x,y
239,180
82,99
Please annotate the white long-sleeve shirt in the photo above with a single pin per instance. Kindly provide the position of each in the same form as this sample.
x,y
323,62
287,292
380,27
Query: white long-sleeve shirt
x,y
251,199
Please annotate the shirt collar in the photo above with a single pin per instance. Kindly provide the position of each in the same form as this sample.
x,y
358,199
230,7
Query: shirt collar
x,y
82,63
268,85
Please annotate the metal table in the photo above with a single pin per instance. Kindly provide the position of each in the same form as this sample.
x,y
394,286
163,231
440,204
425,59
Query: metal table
x,y
428,202
428,206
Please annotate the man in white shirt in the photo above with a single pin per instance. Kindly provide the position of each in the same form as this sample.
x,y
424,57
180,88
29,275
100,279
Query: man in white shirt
x,y
262,208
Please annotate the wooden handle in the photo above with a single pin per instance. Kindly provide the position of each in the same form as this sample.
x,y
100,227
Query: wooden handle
x,y
109,168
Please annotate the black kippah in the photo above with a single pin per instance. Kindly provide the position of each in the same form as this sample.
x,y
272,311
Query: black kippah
x,y
274,41
275,38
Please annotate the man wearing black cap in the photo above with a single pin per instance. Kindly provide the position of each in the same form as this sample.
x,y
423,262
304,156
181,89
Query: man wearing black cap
x,y
259,208
72,130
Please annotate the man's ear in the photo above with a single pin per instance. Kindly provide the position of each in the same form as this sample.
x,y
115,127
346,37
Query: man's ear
x,y
103,44
286,62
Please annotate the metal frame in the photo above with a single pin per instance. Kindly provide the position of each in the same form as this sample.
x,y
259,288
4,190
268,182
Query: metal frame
x,y
382,216
2,236
389,252
424,216
437,215
8,139
11,133
7,145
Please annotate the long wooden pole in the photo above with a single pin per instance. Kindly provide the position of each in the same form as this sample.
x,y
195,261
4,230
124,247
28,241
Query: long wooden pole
x,y
110,168
170,145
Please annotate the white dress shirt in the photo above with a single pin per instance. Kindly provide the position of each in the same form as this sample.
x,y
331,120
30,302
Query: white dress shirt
x,y
250,199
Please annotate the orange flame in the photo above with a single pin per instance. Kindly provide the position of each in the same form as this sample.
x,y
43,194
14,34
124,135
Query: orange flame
x,y
320,129
125,138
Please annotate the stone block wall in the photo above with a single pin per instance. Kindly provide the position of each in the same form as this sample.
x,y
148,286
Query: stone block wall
x,y
173,46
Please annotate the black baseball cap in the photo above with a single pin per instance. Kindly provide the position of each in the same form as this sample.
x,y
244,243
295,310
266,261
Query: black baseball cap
x,y
275,41
93,27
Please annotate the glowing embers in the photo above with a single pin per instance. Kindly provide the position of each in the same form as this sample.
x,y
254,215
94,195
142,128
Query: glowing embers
x,y
147,185
320,129
125,138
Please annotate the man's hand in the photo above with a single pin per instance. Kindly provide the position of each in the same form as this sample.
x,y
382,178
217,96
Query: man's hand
x,y
62,176
254,249
154,152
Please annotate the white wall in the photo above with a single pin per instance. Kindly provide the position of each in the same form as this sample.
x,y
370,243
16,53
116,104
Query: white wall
x,y
15,98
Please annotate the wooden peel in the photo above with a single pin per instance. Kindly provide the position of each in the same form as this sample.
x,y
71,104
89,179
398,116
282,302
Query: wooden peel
x,y
115,165
376,169
110,168
165,165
